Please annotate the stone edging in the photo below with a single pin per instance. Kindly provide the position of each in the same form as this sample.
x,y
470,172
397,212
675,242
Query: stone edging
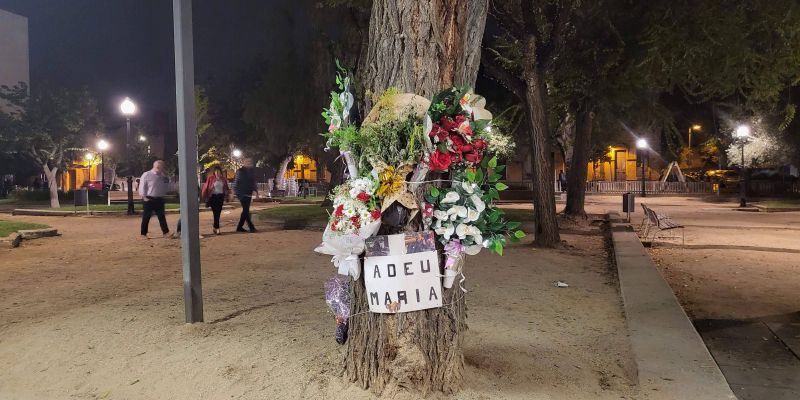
x,y
14,239
43,213
671,359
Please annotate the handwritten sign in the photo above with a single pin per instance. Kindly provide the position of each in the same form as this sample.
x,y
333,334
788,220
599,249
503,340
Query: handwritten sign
x,y
402,283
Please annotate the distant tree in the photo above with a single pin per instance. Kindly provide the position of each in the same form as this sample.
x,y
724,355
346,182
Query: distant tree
x,y
46,125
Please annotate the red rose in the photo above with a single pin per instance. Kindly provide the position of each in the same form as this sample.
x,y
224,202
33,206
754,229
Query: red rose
x,y
457,140
479,144
448,124
363,197
455,157
473,158
459,120
339,210
440,161
467,148
354,220
333,225
376,214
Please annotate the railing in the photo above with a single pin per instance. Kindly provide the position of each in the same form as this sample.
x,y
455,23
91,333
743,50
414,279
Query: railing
x,y
650,187
766,188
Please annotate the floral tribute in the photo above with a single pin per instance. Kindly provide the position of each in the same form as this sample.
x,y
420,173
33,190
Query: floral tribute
x,y
417,165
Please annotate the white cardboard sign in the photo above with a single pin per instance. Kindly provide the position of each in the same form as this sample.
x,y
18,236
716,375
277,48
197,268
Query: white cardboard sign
x,y
403,282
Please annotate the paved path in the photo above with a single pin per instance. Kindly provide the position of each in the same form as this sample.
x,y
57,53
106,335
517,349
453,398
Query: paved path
x,y
737,275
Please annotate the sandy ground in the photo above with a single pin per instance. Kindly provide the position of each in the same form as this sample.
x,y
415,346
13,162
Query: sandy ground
x,y
735,265
98,314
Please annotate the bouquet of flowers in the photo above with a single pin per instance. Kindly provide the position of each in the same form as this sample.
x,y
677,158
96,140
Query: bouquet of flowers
x,y
356,216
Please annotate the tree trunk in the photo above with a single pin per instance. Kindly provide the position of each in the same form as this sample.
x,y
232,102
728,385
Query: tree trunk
x,y
544,203
280,178
419,47
423,46
576,174
52,184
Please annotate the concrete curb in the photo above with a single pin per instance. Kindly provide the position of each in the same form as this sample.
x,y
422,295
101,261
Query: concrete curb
x,y
13,240
277,224
671,359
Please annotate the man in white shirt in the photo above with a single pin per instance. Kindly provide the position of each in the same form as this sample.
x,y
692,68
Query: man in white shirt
x,y
153,185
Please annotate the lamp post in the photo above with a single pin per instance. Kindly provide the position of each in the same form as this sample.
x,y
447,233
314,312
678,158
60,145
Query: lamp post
x,y
128,108
102,146
641,144
694,127
742,133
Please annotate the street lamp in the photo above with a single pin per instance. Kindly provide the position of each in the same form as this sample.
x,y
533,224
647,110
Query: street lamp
x,y
694,127
742,133
128,108
102,145
641,144
237,153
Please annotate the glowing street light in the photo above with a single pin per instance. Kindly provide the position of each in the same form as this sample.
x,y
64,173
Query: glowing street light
x,y
742,133
694,127
128,108
88,156
237,153
102,145
641,144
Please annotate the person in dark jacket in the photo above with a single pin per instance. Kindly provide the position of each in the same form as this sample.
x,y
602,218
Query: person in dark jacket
x,y
245,187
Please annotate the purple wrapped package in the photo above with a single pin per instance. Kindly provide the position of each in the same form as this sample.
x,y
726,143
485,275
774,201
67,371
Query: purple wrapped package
x,y
337,295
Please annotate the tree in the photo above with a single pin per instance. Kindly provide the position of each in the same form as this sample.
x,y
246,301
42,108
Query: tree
x,y
46,125
418,47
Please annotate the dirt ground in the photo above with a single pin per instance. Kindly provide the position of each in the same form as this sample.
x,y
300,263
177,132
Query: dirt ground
x,y
735,265
98,314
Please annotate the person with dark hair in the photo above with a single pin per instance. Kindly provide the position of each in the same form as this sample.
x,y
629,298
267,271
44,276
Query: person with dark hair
x,y
245,187
214,192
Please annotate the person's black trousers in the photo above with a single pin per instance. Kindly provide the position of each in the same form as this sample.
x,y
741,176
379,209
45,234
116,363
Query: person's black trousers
x,y
245,200
215,202
154,205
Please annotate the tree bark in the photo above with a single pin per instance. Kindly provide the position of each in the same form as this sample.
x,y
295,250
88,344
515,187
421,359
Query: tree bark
x,y
544,204
423,46
52,184
418,46
576,174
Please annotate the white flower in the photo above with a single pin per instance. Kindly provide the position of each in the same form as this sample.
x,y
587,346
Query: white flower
x,y
451,197
461,231
469,187
445,231
479,204
473,215
473,230
461,211
473,250
440,214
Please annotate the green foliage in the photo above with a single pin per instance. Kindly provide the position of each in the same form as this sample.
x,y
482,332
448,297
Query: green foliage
x,y
394,141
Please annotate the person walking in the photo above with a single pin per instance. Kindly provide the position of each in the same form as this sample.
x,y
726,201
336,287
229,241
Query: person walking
x,y
153,185
214,192
562,180
245,187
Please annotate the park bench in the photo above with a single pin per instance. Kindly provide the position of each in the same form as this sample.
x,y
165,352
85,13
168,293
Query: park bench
x,y
654,224
119,196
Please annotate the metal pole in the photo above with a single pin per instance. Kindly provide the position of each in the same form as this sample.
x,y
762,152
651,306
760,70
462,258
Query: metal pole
x,y
102,173
187,159
644,157
128,157
690,138
742,190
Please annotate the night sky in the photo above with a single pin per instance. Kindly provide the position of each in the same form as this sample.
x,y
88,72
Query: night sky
x,y
121,48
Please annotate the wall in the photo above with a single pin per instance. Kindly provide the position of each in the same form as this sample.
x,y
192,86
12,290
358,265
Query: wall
x,y
14,65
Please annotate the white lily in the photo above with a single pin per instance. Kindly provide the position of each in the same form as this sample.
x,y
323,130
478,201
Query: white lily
x,y
473,215
468,187
440,214
473,250
461,231
461,211
451,197
445,231
479,204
